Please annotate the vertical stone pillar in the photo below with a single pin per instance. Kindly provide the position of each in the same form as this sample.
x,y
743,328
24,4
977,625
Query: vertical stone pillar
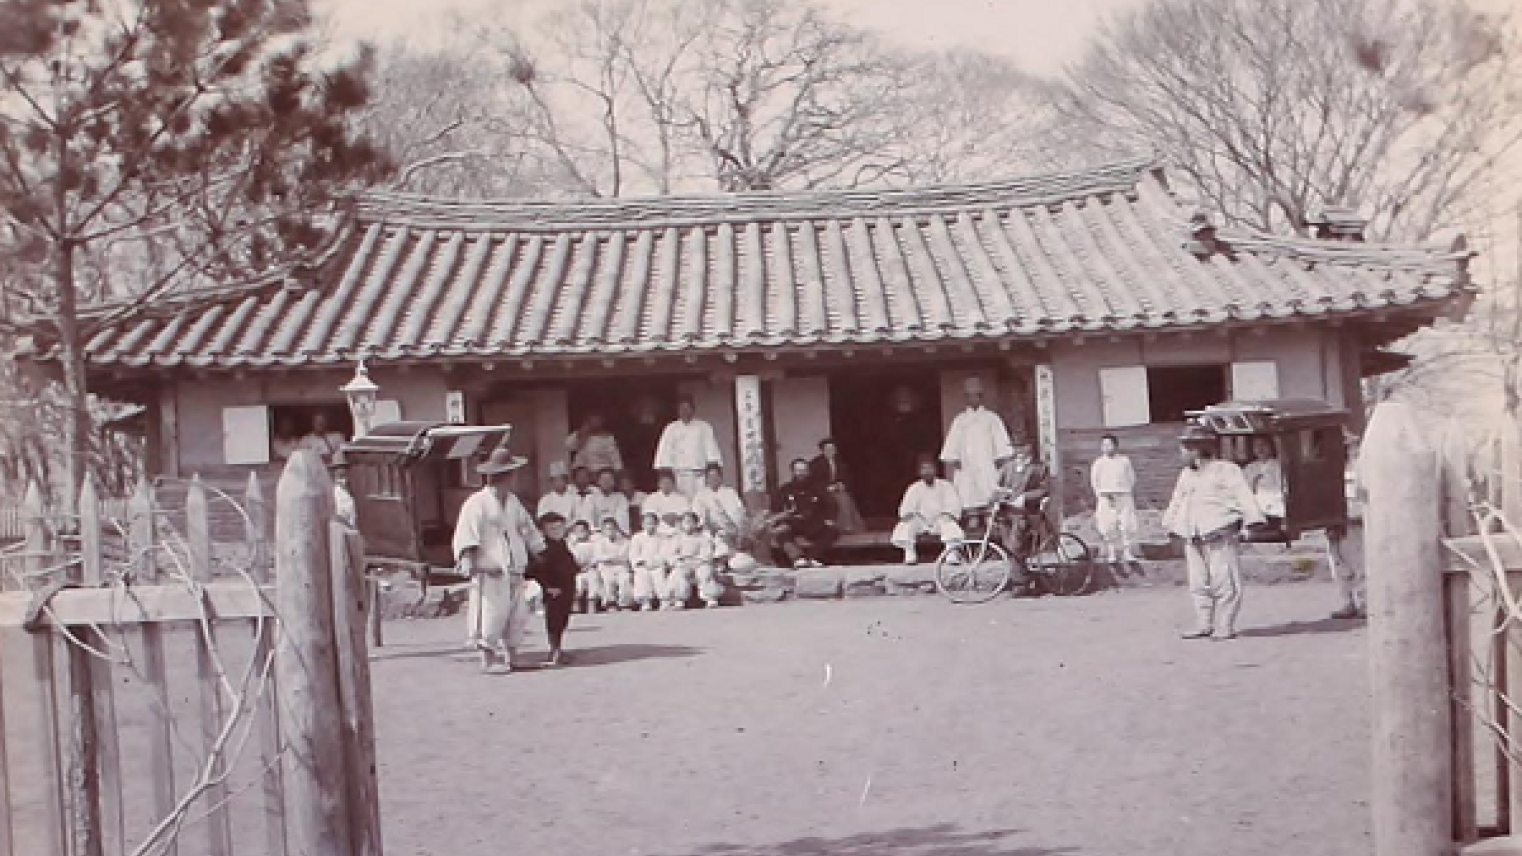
x,y
750,428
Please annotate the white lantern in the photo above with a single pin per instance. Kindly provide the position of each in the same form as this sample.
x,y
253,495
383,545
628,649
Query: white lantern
x,y
361,392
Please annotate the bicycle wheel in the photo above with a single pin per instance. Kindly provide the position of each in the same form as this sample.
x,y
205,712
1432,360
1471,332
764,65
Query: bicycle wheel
x,y
1064,565
972,572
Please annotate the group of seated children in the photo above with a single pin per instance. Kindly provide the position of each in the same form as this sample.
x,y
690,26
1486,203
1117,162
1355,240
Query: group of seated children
x,y
663,564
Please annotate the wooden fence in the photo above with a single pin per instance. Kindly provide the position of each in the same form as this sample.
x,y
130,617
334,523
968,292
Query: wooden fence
x,y
177,703
1445,646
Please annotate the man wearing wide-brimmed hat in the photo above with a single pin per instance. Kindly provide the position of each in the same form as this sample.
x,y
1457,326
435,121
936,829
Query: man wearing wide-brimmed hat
x,y
1210,505
494,540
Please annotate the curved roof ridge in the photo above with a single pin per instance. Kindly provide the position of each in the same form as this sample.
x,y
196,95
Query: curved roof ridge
x,y
679,210
1344,252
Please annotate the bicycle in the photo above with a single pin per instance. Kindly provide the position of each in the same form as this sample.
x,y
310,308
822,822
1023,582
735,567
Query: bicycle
x,y
977,570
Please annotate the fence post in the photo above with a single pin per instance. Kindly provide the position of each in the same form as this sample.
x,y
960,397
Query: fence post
x,y
143,547
256,530
213,711
306,666
34,540
350,593
1412,795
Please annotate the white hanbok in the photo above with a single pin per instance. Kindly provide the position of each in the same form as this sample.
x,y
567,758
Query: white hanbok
x,y
687,448
976,443
504,536
929,508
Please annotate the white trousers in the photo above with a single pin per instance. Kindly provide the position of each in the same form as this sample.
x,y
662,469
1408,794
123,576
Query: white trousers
x,y
1115,517
615,584
908,531
1346,560
649,583
497,614
1215,583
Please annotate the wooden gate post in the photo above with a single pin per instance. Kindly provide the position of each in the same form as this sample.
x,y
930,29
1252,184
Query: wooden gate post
x,y
350,593
1413,785
306,664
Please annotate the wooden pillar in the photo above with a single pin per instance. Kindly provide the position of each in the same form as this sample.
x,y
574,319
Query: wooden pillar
x,y
1412,729
306,664
350,597
166,440
750,426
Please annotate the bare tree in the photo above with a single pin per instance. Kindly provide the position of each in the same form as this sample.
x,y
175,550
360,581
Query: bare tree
x,y
451,122
1273,108
662,95
151,146
974,116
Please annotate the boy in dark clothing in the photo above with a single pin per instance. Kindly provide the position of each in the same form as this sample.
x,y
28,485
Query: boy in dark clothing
x,y
555,571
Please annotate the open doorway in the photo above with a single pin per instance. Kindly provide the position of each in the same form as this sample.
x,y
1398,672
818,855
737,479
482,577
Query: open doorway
x,y
882,422
635,410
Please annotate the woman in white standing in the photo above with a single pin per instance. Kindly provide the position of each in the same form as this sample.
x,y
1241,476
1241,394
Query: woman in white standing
x,y
1114,482
493,542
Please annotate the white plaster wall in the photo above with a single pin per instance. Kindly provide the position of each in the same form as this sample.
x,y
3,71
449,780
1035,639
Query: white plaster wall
x,y
1304,359
420,393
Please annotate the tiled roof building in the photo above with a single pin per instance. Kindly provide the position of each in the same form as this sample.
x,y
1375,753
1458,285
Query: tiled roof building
x,y
1088,303
1103,251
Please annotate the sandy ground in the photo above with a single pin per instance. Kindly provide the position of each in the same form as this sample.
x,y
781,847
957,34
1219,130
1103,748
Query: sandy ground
x,y
890,727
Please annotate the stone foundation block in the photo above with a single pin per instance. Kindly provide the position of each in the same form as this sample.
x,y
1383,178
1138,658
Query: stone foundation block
x,y
863,582
819,583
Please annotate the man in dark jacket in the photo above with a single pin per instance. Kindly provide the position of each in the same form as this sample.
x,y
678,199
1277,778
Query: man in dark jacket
x,y
555,571
803,519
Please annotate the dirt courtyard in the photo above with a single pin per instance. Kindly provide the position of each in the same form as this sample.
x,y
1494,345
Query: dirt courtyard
x,y
888,727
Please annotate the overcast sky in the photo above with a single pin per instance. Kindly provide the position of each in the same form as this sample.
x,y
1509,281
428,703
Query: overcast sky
x,y
1041,35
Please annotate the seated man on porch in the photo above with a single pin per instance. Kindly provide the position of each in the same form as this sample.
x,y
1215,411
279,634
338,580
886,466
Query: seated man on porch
x,y
802,525
1024,484
930,507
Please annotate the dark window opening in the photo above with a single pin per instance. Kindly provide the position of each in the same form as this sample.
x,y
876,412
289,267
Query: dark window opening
x,y
289,423
1173,391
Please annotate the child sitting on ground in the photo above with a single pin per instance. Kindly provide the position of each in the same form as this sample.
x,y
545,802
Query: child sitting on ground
x,y
588,583
555,570
648,562
610,554
693,566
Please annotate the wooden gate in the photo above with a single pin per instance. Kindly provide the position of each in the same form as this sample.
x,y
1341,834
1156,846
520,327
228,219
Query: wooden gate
x,y
1445,648
173,700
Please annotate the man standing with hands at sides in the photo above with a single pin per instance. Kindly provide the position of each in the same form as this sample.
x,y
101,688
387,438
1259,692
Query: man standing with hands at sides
x,y
931,504
686,448
1211,503
976,447
494,540
1114,482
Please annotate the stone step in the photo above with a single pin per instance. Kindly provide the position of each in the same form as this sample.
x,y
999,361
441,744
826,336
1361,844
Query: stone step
x,y
404,598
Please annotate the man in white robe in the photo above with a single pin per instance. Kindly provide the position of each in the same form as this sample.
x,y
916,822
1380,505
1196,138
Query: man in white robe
x,y
976,447
561,498
686,448
720,509
668,503
930,505
593,446
494,539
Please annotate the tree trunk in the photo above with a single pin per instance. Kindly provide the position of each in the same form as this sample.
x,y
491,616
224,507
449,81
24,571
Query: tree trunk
x,y
76,424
